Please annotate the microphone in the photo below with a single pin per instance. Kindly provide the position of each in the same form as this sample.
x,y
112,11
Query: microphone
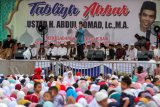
x,y
148,34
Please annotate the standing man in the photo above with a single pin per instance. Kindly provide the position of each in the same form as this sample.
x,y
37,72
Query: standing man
x,y
80,41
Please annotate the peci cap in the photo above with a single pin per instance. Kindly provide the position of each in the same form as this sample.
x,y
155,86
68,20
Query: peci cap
x,y
99,96
8,35
148,5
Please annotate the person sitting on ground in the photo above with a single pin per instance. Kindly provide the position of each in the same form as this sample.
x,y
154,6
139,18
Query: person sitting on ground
x,y
156,83
37,90
141,75
157,70
102,100
69,78
127,95
37,75
47,96
58,100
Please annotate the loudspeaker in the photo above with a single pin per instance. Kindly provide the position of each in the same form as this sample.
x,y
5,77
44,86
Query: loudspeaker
x,y
19,54
96,55
143,55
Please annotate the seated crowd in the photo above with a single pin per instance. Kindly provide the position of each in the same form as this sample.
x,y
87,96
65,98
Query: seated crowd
x,y
68,50
68,90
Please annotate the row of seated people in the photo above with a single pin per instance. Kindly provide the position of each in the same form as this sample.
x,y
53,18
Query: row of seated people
x,y
68,51
64,50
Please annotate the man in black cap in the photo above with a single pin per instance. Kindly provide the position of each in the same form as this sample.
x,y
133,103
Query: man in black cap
x,y
9,42
147,15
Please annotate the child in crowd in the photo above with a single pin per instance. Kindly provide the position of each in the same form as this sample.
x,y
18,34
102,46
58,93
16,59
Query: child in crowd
x,y
134,77
127,96
58,100
37,74
148,80
141,75
156,83
37,90
47,96
85,91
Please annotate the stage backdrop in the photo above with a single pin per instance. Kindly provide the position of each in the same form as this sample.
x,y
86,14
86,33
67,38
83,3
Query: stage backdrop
x,y
104,20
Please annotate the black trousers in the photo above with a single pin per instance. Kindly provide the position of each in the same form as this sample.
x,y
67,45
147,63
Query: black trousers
x,y
80,51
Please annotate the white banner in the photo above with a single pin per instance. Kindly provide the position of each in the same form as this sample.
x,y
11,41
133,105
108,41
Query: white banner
x,y
104,20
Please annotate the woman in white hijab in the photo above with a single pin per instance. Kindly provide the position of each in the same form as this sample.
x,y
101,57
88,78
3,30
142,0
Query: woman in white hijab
x,y
69,78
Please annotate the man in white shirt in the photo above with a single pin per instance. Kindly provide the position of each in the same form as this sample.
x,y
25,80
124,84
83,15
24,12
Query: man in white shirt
x,y
151,66
86,50
34,51
132,53
93,46
155,51
52,51
28,54
72,51
62,51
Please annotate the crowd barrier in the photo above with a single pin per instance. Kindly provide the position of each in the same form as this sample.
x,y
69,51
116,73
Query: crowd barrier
x,y
90,68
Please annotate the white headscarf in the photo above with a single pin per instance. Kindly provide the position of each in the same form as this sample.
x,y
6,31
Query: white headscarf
x,y
12,87
83,102
12,104
5,83
67,79
20,95
3,105
6,90
6,101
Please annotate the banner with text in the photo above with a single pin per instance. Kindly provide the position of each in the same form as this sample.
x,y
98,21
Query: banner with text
x,y
105,21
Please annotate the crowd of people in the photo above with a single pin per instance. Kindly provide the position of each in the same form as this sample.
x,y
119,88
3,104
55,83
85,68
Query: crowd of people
x,y
68,90
68,50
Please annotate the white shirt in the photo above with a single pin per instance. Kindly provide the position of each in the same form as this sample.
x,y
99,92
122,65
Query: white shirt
x,y
53,51
103,49
68,52
152,37
132,54
62,51
34,52
156,52
85,52
27,54
152,66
